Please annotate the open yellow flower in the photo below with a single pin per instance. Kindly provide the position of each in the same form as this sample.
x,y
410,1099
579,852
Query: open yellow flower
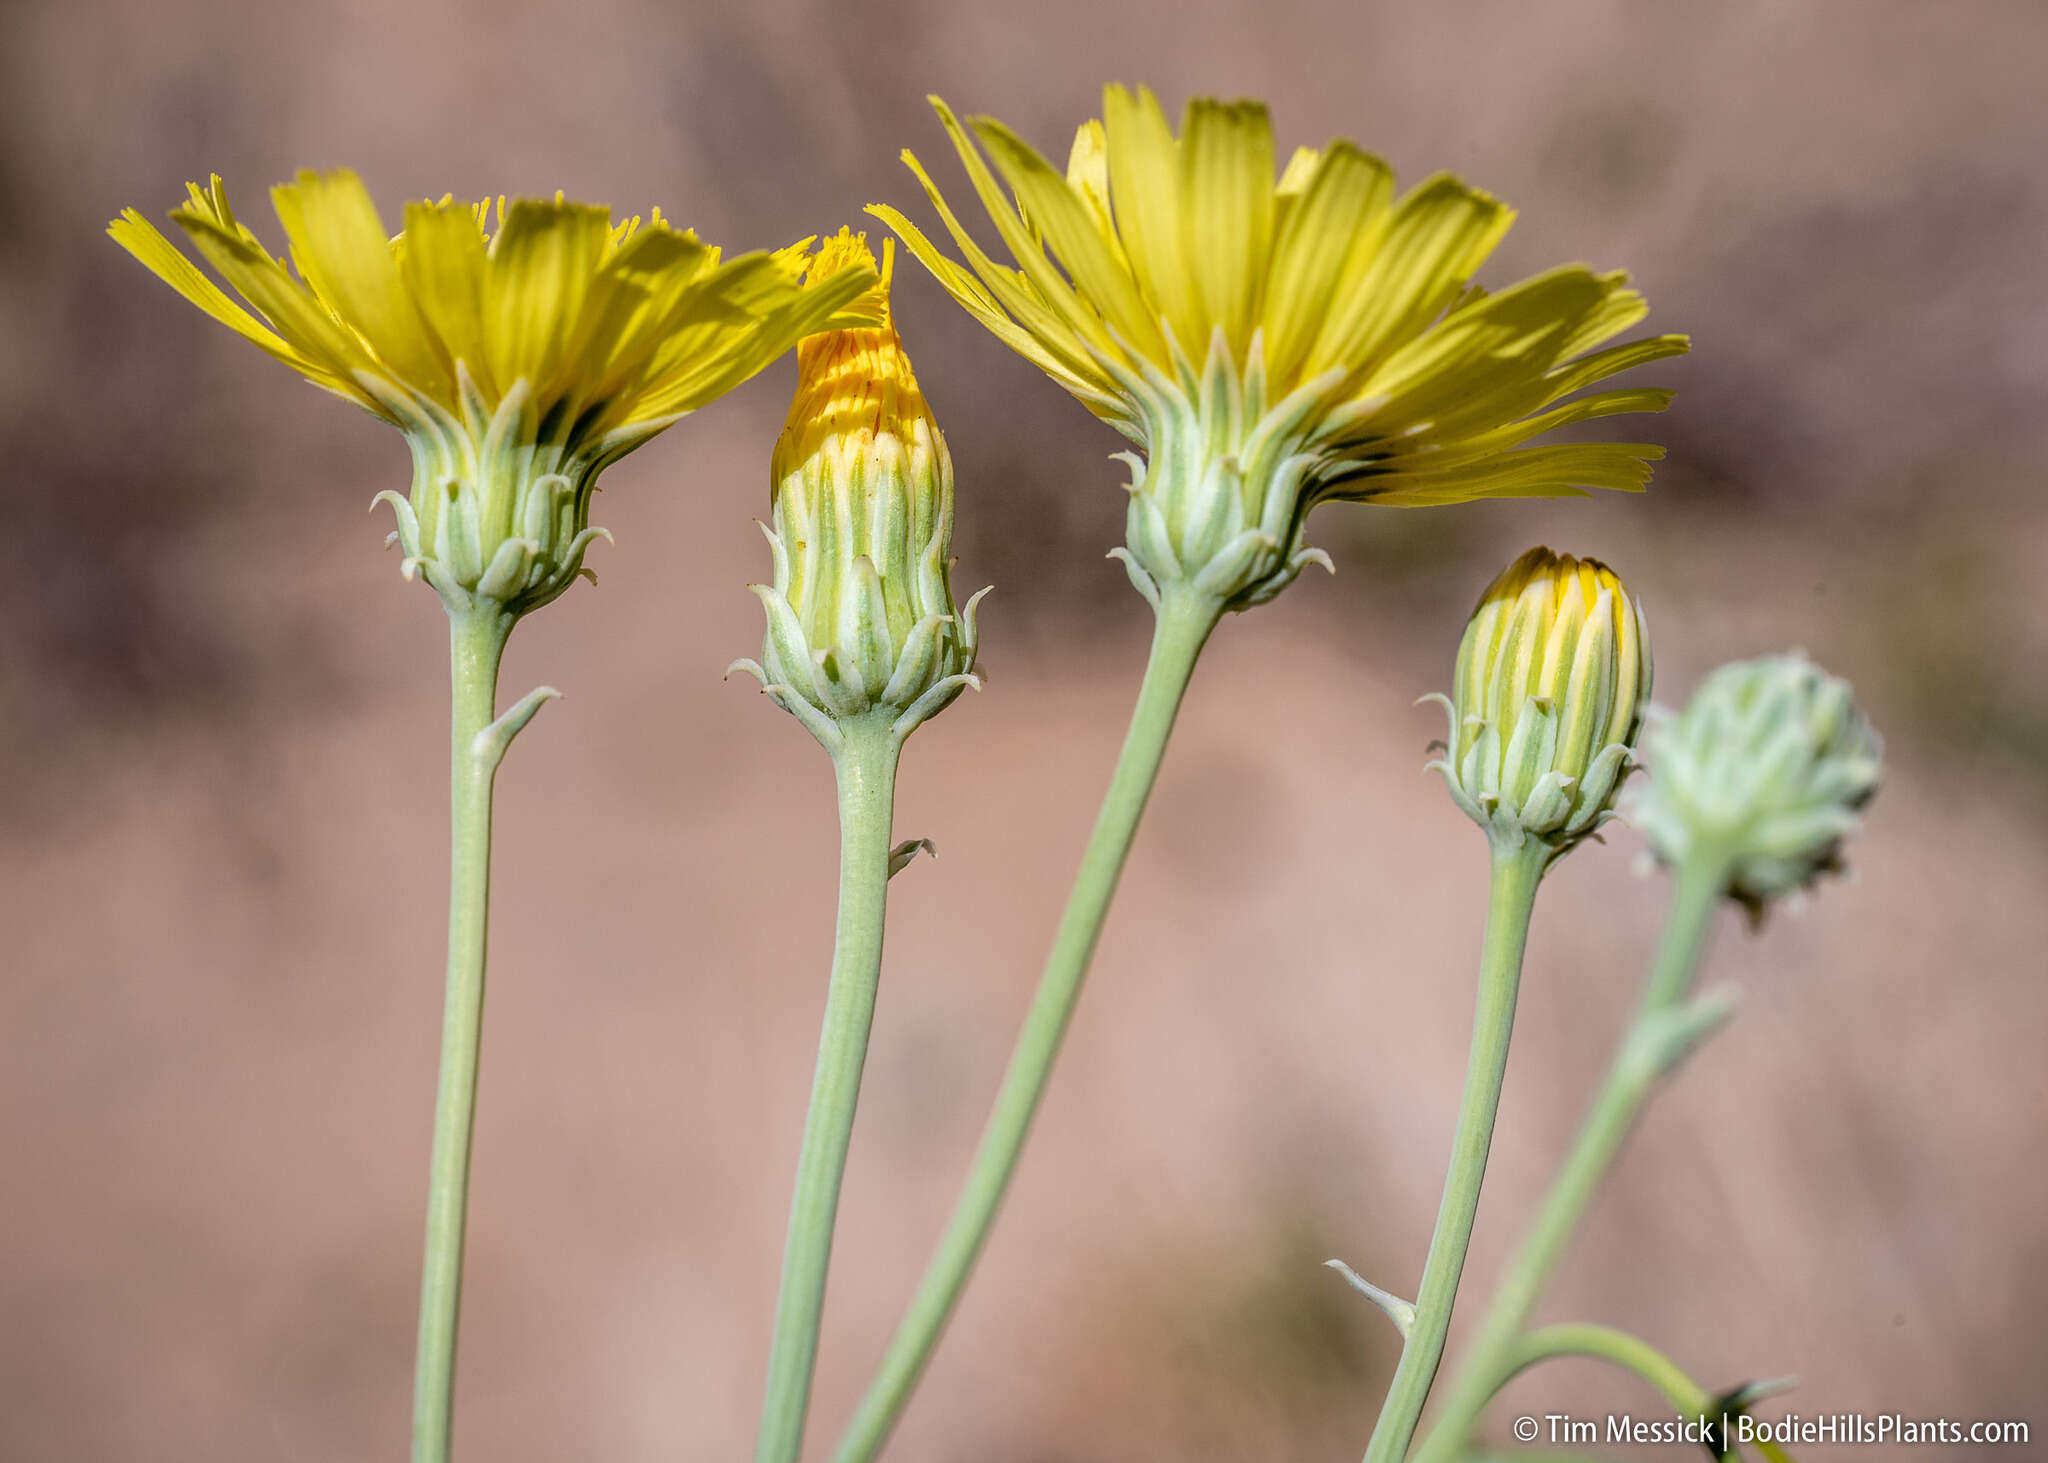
x,y
518,359
1273,344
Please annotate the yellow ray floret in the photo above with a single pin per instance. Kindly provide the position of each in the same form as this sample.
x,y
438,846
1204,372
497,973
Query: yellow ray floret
x,y
853,383
607,326
1160,264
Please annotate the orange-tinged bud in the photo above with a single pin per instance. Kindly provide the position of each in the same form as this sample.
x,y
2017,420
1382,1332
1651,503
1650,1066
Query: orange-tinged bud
x,y
861,619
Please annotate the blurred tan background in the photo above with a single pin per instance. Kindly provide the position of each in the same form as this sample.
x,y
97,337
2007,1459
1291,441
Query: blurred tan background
x,y
221,738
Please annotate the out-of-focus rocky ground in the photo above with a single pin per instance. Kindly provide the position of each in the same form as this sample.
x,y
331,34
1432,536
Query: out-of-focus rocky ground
x,y
221,837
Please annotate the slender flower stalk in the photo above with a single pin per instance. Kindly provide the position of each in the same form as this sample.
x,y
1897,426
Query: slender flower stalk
x,y
863,645
519,361
1183,627
1267,344
1663,1032
1754,787
865,766
1552,678
1516,874
477,645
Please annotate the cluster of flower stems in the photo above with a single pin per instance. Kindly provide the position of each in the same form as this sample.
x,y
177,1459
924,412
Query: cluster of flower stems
x,y
1327,346
1669,1020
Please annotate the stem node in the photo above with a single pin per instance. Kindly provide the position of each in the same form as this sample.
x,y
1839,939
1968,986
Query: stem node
x,y
1397,1310
490,744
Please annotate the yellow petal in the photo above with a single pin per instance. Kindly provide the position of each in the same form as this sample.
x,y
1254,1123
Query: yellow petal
x,y
1342,210
732,323
1294,181
1088,175
1301,170
632,302
443,267
1008,287
1393,288
333,353
541,263
344,253
1459,444
1070,227
975,297
1054,293
1563,470
141,238
1620,309
1227,212
1144,181
1504,339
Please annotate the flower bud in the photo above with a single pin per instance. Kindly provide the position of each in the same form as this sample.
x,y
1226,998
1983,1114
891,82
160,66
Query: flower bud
x,y
1769,767
861,620
1550,686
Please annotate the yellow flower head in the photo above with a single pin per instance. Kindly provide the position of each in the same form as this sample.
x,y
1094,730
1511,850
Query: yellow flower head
x,y
861,621
520,348
1552,680
1272,343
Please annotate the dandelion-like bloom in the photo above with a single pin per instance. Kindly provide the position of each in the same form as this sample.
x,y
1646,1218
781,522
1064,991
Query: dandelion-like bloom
x,y
1552,679
1271,345
519,360
861,618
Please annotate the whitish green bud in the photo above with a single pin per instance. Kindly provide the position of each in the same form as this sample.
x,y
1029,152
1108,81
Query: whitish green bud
x,y
1551,682
861,621
1770,767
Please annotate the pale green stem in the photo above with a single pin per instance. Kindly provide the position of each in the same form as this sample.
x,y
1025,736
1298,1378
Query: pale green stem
x,y
1184,625
1516,875
1696,895
476,645
866,766
1604,1343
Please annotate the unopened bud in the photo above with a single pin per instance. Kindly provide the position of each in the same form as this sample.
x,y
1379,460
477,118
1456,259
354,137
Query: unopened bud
x,y
1770,767
1551,681
861,619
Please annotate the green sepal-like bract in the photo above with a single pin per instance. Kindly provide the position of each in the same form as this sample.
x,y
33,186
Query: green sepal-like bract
x,y
500,503
1219,498
847,638
1770,765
